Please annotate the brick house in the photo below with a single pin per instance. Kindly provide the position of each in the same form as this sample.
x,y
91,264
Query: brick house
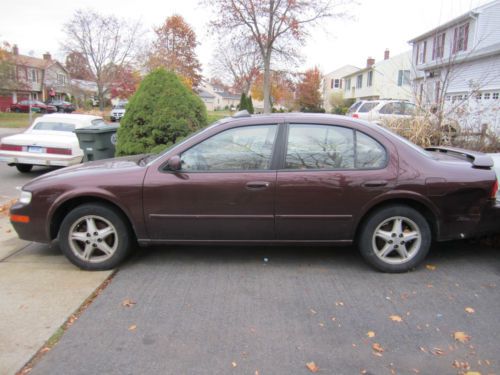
x,y
41,79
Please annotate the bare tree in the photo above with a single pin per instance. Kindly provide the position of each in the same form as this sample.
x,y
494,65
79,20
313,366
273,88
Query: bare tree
x,y
105,42
238,64
275,27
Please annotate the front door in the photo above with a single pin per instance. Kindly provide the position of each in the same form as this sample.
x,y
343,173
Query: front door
x,y
329,173
224,191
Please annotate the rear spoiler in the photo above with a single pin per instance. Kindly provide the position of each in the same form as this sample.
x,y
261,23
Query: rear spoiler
x,y
478,159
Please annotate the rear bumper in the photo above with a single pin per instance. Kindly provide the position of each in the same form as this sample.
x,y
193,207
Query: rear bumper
x,y
16,157
490,220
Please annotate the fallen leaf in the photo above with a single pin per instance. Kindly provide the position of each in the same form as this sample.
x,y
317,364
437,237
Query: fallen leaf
x,y
128,303
377,347
396,318
133,327
472,373
312,367
415,370
256,372
430,286
370,334
461,336
422,349
437,351
45,349
339,303
234,364
470,310
430,267
377,354
313,311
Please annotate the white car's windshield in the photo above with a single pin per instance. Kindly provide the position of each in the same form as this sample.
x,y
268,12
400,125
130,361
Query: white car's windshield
x,y
57,126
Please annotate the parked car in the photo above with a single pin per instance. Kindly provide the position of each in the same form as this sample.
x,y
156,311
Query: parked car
x,y
63,106
50,141
378,110
118,111
496,167
24,106
267,179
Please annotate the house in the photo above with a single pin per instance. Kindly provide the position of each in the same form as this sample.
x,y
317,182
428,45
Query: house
x,y
457,67
217,98
333,86
387,79
40,79
85,92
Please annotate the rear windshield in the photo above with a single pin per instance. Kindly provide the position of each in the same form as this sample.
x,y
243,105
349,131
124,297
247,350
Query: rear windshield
x,y
367,107
58,126
98,121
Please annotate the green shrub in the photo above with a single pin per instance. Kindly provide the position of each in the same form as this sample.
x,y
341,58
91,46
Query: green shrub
x,y
162,111
250,104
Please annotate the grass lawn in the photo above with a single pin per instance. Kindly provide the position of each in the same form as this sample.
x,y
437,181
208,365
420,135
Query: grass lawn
x,y
15,120
217,115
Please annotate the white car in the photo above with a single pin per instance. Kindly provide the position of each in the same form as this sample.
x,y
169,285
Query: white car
x,y
377,110
118,111
50,141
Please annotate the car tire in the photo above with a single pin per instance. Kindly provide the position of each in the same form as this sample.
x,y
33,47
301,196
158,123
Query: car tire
x,y
95,237
395,239
24,168
60,110
17,110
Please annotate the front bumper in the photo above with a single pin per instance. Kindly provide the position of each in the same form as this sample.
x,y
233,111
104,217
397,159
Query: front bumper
x,y
17,157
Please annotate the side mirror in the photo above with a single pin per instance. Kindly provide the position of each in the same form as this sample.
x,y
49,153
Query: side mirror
x,y
174,163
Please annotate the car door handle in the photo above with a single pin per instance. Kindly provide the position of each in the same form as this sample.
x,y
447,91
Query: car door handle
x,y
375,183
257,185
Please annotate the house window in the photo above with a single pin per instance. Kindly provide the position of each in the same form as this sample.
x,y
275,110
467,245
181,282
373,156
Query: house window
x,y
460,38
486,96
479,96
32,75
438,46
403,77
359,81
448,97
337,83
423,49
495,95
61,79
369,80
347,84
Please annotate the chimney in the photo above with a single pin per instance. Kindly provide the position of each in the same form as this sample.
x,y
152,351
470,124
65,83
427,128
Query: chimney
x,y
386,54
370,61
46,56
15,50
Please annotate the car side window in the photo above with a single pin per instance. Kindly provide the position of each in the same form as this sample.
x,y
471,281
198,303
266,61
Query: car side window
x,y
387,109
369,153
332,147
319,147
242,148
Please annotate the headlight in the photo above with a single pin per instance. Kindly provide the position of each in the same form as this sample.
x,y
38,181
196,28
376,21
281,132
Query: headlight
x,y
25,197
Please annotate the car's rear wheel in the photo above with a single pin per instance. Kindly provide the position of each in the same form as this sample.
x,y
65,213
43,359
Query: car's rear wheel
x,y
24,168
17,110
395,239
95,237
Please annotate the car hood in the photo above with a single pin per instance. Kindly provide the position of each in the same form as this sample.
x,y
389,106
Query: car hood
x,y
103,169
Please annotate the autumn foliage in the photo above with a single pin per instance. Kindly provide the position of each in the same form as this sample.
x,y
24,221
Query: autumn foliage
x,y
308,91
174,49
125,83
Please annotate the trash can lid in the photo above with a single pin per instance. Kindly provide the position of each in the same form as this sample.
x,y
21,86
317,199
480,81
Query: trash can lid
x,y
93,129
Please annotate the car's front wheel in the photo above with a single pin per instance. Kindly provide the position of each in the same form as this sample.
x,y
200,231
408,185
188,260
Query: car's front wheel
x,y
24,168
95,237
395,239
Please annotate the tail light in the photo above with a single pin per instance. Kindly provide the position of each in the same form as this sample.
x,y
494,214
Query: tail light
x,y
494,190
6,147
355,115
59,151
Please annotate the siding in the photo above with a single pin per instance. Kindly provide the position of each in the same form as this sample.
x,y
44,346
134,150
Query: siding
x,y
484,74
488,27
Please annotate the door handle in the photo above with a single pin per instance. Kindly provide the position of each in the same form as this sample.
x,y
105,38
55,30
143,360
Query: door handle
x,y
375,183
257,185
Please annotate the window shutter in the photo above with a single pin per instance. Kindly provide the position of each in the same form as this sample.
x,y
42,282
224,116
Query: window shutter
x,y
331,83
400,78
418,53
441,53
425,51
455,40
340,83
466,36
434,46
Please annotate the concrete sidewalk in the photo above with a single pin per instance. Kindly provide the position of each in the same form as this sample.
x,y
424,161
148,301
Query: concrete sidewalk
x,y
39,290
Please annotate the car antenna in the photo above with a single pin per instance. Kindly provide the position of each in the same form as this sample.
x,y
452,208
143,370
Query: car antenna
x,y
243,113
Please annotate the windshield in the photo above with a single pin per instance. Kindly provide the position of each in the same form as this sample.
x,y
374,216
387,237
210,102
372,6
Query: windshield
x,y
57,126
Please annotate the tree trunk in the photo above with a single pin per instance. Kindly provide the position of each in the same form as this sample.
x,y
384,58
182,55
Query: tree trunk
x,y
100,95
267,84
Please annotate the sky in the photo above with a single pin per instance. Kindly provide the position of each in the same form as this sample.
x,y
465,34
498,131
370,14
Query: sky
x,y
375,25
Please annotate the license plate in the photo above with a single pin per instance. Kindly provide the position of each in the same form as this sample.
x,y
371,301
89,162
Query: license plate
x,y
35,149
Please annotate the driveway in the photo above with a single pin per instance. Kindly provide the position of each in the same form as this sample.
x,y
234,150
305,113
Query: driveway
x,y
247,310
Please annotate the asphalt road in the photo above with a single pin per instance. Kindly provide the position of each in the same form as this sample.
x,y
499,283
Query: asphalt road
x,y
207,310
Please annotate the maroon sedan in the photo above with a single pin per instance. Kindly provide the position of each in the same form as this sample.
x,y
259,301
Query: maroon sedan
x,y
267,179
24,106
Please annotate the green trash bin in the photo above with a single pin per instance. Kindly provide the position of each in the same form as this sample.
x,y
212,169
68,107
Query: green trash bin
x,y
97,142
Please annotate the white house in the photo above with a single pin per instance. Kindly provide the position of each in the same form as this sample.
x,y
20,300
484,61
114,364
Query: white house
x,y
387,79
333,85
217,98
457,67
